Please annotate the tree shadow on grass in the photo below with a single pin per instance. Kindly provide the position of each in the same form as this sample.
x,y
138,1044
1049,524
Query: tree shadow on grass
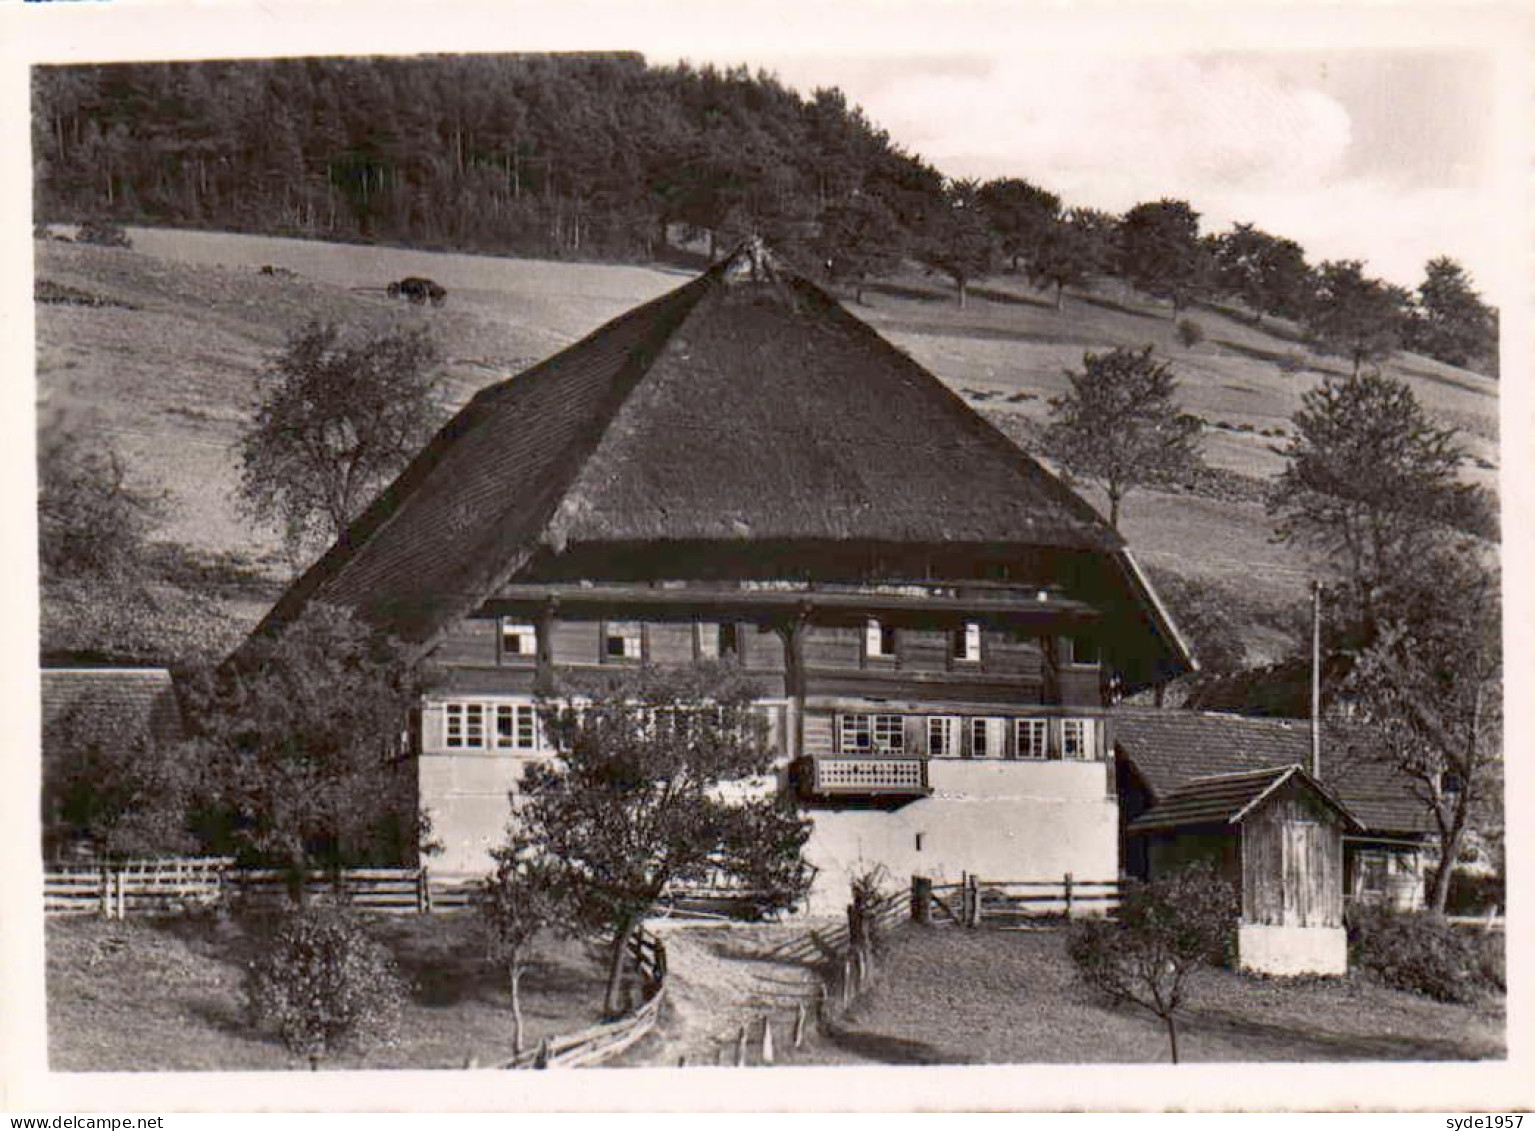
x,y
1121,308
1299,1043
885,1049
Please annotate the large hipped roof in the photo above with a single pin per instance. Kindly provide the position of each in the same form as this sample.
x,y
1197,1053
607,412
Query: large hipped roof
x,y
745,405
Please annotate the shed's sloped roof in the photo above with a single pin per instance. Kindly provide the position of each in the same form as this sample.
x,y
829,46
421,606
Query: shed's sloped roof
x,y
1170,748
1225,799
125,703
745,405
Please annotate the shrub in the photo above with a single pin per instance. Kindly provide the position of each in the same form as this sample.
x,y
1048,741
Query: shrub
x,y
1166,930
103,234
324,984
1190,333
1422,954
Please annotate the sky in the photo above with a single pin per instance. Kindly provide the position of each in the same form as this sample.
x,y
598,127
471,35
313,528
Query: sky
x,y
1388,156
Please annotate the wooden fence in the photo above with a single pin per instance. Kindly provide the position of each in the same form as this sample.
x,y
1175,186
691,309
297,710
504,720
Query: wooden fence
x,y
605,1041
164,887
1011,903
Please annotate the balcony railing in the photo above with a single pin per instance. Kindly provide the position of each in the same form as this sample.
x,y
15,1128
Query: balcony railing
x,y
866,777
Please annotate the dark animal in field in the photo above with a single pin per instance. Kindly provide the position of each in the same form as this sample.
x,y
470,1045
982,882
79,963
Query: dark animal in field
x,y
419,291
277,272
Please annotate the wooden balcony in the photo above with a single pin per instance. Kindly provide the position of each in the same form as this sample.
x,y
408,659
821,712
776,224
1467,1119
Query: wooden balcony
x,y
839,776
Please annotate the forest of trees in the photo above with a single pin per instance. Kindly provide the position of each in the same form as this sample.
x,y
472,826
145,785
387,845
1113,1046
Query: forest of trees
x,y
604,156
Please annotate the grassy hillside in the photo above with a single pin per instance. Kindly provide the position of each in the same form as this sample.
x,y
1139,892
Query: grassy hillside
x,y
168,361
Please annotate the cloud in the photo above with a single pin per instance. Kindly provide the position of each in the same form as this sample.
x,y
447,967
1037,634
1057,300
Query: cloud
x,y
1101,129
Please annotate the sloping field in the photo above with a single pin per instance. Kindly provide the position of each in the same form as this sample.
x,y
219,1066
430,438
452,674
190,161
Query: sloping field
x,y
170,367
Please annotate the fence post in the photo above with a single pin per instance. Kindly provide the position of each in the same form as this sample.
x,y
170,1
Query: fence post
x,y
921,900
541,1058
122,902
106,893
767,1039
1067,886
973,902
423,892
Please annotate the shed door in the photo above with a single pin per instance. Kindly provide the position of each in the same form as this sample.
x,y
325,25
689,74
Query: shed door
x,y
1313,874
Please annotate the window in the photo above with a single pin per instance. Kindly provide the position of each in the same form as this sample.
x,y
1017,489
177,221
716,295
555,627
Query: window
x,y
516,727
967,644
466,726
943,736
623,640
889,734
878,640
1076,739
518,638
854,734
988,737
1032,738
868,734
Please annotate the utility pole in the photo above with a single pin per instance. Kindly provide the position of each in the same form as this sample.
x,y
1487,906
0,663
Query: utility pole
x,y
1316,679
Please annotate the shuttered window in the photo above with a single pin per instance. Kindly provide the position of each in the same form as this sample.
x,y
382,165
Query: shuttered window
x,y
1032,738
943,736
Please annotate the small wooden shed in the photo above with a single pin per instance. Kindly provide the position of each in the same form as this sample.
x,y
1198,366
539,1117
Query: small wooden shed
x,y
1277,834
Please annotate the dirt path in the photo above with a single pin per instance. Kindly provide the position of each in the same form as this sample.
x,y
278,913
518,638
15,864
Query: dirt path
x,y
721,976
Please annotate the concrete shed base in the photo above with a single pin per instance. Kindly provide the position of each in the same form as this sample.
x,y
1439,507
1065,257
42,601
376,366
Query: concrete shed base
x,y
1292,950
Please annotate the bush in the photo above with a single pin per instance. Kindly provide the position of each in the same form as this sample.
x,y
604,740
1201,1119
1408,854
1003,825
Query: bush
x,y
324,984
1190,333
1422,954
103,234
1166,930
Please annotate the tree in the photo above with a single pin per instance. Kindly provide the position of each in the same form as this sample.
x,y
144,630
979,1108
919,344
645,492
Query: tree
x,y
859,238
116,788
1166,931
302,731
90,522
1070,250
518,901
657,780
1350,315
1120,424
345,414
1019,213
1267,273
1372,483
1431,683
1160,251
956,239
1451,322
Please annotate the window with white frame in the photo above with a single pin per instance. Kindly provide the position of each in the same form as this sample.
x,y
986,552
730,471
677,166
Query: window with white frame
x,y
516,726
1032,738
869,734
465,726
878,640
988,738
518,638
943,736
1077,739
967,644
623,640
889,734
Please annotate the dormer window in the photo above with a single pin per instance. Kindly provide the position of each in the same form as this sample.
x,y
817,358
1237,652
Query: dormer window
x,y
518,638
878,640
623,641
966,644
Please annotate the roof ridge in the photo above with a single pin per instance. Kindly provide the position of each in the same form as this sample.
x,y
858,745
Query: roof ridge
x,y
1258,772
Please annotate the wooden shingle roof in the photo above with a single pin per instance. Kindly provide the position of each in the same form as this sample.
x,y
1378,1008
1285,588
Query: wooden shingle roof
x,y
127,704
1168,749
1228,799
745,405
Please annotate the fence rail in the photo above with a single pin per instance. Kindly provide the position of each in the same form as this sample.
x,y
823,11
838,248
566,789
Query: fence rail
x,y
974,901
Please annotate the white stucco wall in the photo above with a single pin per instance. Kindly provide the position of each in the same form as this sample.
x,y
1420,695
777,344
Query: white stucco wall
x,y
998,820
466,797
1292,950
